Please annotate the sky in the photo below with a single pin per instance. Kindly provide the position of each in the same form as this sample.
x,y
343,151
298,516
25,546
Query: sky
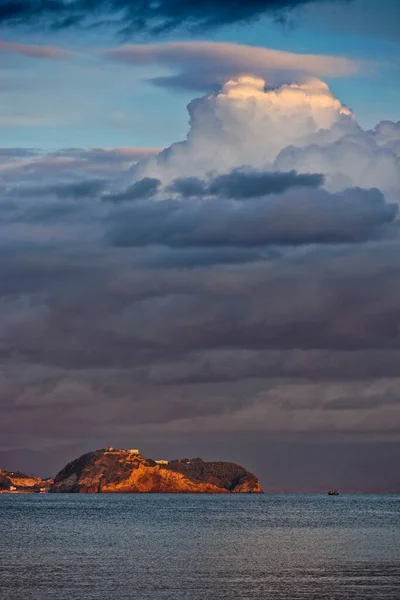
x,y
199,235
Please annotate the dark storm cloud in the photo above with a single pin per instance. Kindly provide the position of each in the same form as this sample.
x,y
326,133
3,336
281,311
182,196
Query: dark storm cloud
x,y
294,218
345,304
188,187
245,183
144,15
71,312
144,188
250,184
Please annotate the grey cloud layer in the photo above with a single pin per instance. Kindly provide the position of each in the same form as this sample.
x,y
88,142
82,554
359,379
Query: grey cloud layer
x,y
114,344
237,184
291,218
245,183
29,166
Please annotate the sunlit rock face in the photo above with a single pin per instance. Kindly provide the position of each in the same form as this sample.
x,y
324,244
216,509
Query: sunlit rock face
x,y
120,471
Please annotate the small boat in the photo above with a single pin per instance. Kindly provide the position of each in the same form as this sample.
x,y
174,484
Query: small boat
x,y
333,493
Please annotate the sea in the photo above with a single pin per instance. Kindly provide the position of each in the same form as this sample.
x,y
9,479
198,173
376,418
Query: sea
x,y
199,547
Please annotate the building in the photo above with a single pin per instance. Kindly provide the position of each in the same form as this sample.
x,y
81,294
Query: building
x,y
162,462
110,449
12,488
133,451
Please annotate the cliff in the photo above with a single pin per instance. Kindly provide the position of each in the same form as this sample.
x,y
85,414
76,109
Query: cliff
x,y
119,471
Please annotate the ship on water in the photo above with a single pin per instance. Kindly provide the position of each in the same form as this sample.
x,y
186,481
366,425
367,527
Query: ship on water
x,y
333,493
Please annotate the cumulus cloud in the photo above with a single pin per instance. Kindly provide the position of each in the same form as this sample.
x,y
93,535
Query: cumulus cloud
x,y
244,124
353,159
205,66
142,15
387,136
300,127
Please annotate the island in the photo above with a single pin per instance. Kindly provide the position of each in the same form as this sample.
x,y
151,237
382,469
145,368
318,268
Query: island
x,y
127,471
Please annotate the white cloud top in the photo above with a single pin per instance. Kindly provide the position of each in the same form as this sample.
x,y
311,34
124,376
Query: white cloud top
x,y
246,124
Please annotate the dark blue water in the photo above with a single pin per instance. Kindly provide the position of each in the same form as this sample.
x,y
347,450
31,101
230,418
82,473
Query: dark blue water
x,y
195,547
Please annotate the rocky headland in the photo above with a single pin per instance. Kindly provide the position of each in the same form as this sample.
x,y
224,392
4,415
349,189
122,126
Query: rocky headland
x,y
127,471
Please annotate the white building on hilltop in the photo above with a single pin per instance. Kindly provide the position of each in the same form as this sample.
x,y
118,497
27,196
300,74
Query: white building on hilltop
x,y
117,450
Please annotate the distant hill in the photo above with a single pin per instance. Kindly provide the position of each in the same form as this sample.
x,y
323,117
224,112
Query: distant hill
x,y
15,481
107,471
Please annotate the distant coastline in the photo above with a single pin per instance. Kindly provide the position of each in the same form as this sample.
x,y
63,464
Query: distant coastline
x,y
111,470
